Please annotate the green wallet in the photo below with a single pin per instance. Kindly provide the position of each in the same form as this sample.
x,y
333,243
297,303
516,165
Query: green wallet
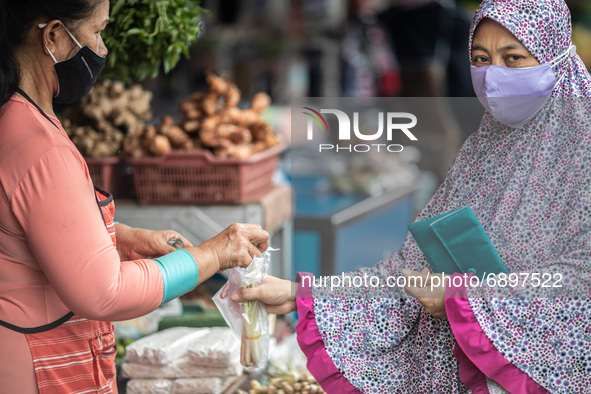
x,y
456,242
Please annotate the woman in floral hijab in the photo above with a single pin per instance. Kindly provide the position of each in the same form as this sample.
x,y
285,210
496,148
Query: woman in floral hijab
x,y
527,177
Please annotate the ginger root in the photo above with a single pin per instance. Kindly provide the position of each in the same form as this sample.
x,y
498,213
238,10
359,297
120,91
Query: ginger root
x,y
260,102
160,145
108,116
221,126
209,120
158,140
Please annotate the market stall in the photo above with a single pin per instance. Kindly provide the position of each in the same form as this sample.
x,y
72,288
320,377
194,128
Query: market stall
x,y
196,160
326,127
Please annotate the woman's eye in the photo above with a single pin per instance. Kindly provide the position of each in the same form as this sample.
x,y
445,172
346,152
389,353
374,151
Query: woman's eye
x,y
479,59
514,58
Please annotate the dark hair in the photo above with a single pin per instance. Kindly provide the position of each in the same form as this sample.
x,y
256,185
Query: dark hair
x,y
17,17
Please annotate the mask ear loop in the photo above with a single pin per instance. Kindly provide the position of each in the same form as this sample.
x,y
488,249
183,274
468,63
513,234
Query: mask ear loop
x,y
43,25
71,35
569,53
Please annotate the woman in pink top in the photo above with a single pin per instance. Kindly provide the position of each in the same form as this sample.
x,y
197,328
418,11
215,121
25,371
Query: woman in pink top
x,y
66,270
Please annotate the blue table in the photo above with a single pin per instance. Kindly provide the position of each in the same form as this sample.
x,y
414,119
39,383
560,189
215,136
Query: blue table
x,y
336,233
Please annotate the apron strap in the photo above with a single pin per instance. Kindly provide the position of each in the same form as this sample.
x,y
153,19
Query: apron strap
x,y
35,330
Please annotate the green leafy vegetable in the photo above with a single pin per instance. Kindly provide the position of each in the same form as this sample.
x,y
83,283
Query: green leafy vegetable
x,y
146,36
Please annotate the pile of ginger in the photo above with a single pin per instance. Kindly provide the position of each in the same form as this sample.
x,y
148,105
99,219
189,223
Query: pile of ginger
x,y
210,120
112,120
99,123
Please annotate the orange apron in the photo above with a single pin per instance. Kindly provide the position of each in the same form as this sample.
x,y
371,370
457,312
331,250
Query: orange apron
x,y
73,354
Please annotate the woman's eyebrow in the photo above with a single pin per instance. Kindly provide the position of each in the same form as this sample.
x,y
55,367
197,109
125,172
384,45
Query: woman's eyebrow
x,y
479,48
500,50
507,48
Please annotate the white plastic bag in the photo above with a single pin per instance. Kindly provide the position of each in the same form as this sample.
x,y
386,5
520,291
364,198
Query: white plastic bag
x,y
179,386
149,386
165,346
198,386
219,348
179,368
248,320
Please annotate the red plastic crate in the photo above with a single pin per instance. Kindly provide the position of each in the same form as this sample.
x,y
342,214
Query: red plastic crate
x,y
102,172
201,178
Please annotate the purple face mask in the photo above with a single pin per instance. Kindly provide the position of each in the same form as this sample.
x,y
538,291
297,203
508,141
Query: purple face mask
x,y
514,96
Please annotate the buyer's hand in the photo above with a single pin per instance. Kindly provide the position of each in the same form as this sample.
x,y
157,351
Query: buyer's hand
x,y
138,243
432,292
278,295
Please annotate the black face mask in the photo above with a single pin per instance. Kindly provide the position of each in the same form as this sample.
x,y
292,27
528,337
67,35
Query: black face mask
x,y
78,74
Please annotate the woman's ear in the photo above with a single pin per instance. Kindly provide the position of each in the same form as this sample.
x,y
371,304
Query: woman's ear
x,y
51,35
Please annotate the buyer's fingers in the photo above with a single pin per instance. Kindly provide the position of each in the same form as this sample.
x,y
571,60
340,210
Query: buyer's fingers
x,y
259,293
428,289
247,294
415,278
417,292
424,278
423,284
434,306
272,290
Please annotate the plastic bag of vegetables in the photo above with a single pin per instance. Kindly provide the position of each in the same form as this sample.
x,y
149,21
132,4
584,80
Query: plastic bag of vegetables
x,y
248,320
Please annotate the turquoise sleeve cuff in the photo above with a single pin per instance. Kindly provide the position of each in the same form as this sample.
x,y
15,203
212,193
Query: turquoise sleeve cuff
x,y
179,273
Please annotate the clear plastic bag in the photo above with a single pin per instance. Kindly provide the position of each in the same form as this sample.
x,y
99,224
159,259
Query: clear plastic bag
x,y
287,359
248,320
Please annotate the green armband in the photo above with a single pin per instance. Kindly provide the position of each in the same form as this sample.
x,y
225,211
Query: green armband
x,y
179,273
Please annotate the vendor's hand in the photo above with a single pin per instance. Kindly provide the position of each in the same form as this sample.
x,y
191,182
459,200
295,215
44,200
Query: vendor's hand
x,y
138,243
433,300
278,295
236,246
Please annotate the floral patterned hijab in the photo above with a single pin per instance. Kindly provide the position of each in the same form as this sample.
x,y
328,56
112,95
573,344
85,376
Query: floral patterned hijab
x,y
531,190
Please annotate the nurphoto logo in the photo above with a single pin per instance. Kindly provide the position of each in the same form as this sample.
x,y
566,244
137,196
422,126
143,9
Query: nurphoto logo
x,y
397,124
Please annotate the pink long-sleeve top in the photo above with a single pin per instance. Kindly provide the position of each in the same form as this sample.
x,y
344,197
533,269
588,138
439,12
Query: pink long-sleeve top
x,y
56,255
